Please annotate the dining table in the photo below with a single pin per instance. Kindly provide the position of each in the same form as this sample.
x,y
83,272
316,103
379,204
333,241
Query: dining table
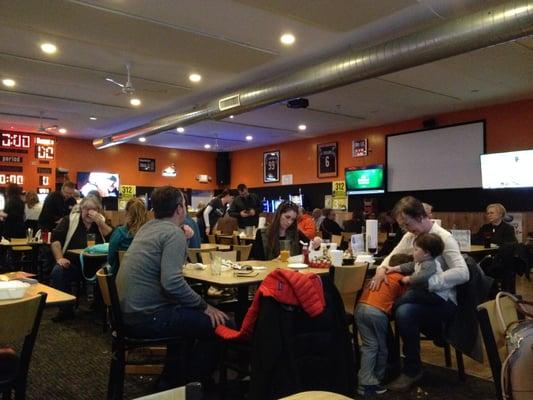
x,y
241,280
54,296
34,244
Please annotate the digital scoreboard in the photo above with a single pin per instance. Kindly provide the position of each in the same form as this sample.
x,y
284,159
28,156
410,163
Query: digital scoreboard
x,y
27,160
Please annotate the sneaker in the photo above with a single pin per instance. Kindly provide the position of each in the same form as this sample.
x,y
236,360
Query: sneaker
x,y
370,390
404,382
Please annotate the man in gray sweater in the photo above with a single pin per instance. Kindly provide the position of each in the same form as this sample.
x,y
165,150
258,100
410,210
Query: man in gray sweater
x,y
155,298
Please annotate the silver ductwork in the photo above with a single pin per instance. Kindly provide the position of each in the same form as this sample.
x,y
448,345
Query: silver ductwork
x,y
508,21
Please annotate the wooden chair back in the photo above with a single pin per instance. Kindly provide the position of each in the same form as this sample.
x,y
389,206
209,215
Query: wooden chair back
x,y
121,255
195,255
225,239
225,255
212,239
208,246
108,288
243,251
336,239
349,281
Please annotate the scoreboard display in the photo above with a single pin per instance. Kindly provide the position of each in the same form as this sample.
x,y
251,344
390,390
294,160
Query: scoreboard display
x,y
27,160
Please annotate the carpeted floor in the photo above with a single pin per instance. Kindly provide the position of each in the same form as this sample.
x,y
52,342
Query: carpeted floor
x,y
71,361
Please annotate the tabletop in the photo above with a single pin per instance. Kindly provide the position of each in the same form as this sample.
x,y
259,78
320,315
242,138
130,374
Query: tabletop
x,y
54,296
79,251
228,278
21,242
316,395
477,249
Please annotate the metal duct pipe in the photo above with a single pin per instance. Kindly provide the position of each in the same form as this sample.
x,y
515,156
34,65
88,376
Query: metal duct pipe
x,y
502,23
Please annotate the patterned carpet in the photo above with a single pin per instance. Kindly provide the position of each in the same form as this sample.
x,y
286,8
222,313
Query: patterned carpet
x,y
71,361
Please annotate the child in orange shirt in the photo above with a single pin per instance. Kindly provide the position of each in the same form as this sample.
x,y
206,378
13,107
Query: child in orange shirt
x,y
372,318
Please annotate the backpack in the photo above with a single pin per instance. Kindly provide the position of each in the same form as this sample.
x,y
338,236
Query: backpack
x,y
516,379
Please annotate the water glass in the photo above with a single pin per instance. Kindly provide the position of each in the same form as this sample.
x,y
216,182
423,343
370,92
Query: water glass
x,y
29,235
249,231
216,266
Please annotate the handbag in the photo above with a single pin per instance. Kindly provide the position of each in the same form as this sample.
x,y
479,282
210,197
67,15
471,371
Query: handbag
x,y
516,382
102,248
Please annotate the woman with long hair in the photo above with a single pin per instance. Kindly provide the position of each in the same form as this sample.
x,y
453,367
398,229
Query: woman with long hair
x,y
32,210
283,227
136,216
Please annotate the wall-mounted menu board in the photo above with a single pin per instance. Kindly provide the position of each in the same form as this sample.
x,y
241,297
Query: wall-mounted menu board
x,y
27,160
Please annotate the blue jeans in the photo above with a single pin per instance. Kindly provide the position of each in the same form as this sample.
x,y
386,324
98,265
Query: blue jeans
x,y
372,324
201,352
62,279
412,319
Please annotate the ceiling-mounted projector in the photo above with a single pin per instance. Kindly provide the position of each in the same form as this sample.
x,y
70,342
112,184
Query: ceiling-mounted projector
x,y
298,103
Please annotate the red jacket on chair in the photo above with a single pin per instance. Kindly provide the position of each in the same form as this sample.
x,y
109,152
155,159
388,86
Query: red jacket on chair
x,y
287,287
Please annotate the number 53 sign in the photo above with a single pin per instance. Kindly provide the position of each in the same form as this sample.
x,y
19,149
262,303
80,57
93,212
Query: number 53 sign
x,y
271,166
327,160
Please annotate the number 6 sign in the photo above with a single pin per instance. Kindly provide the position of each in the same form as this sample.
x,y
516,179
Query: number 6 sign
x,y
327,160
271,166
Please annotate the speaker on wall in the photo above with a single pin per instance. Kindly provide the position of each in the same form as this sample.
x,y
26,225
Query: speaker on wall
x,y
223,168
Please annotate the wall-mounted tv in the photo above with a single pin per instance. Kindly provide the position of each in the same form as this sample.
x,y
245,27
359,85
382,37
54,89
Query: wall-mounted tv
x,y
365,180
103,182
508,170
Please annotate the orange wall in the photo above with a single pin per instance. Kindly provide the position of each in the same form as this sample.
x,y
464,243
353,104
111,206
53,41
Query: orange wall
x,y
508,127
80,155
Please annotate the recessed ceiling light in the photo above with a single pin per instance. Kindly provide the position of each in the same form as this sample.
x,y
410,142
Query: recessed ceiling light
x,y
135,102
207,146
302,127
62,130
8,82
232,116
142,139
93,118
249,137
180,129
195,77
287,39
49,48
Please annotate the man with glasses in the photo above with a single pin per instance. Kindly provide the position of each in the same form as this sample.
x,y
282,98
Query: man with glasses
x,y
155,298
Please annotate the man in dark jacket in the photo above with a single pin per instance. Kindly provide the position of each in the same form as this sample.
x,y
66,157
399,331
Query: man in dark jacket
x,y
57,205
246,207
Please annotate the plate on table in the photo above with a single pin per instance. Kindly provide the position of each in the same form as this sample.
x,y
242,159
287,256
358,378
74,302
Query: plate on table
x,y
297,265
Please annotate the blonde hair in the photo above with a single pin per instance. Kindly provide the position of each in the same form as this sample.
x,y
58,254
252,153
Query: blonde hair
x,y
31,198
499,207
92,199
137,215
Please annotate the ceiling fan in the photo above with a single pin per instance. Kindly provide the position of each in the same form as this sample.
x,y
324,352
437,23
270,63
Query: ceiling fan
x,y
126,88
42,128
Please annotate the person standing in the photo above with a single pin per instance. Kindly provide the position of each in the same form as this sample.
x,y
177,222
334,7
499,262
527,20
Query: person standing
x,y
13,214
246,207
329,226
32,210
155,298
215,210
56,205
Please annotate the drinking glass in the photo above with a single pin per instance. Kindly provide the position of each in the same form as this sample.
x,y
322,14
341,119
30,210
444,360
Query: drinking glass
x,y
91,239
216,265
284,250
29,235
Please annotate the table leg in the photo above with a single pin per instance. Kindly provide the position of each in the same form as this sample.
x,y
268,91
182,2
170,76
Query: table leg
x,y
242,304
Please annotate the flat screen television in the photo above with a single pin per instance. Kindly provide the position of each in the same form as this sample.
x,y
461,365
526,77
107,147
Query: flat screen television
x,y
104,183
508,170
365,180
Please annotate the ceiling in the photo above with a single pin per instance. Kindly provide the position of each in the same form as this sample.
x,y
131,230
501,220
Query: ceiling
x,y
232,44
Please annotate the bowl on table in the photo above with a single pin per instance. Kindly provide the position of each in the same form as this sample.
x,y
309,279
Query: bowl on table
x,y
319,264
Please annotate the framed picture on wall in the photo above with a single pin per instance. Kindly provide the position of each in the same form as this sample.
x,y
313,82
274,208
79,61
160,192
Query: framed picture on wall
x,y
327,160
271,166
359,148
147,164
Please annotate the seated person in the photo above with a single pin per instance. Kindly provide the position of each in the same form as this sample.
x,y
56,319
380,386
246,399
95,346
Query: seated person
x,y
306,224
227,225
372,318
136,216
497,231
329,226
426,247
71,233
355,224
283,227
155,298
394,233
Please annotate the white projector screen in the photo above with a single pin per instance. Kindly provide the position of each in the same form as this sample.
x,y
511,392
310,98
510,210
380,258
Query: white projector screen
x,y
442,158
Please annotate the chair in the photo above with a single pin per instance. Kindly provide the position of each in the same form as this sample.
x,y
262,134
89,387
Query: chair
x,y
121,343
349,281
243,251
24,317
494,336
212,239
21,254
336,239
196,255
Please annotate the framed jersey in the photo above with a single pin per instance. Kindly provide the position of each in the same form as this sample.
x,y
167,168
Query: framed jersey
x,y
327,160
271,166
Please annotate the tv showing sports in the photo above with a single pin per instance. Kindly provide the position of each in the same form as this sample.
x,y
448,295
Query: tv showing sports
x,y
365,180
508,170
105,183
